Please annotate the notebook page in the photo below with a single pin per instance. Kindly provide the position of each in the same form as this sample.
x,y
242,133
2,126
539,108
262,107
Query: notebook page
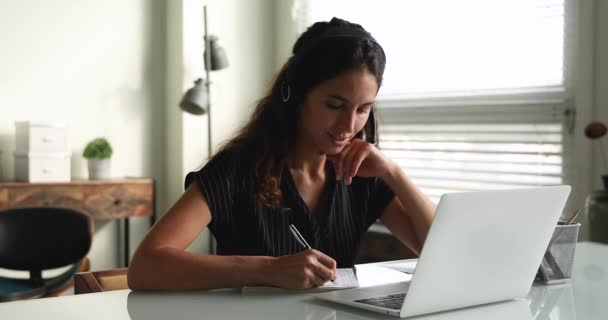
x,y
345,279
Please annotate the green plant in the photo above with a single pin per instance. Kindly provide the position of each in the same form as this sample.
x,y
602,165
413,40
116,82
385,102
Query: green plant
x,y
97,148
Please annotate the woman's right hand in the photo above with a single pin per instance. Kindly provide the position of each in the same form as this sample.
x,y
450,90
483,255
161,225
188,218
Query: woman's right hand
x,y
306,269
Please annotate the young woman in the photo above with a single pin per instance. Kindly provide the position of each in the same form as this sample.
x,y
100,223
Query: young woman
x,y
307,157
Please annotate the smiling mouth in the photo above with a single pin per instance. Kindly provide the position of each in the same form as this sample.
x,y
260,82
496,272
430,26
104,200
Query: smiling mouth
x,y
339,141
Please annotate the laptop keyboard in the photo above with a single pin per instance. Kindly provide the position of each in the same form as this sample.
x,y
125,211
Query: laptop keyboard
x,y
391,301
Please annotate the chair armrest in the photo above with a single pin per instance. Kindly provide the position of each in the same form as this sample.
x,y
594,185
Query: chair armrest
x,y
99,281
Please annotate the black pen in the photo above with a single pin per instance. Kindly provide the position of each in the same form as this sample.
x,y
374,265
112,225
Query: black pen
x,y
298,236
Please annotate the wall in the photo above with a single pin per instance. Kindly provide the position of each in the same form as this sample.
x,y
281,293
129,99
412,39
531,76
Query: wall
x,y
285,31
600,111
97,66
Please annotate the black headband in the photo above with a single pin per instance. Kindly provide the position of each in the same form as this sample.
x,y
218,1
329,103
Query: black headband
x,y
337,33
334,33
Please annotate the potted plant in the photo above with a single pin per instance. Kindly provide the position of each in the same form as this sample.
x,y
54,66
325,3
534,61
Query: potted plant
x,y
98,153
595,131
596,204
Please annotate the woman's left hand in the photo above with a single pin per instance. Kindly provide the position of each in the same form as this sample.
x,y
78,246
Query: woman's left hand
x,y
362,159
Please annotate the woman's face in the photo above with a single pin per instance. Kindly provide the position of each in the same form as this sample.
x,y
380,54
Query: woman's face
x,y
336,110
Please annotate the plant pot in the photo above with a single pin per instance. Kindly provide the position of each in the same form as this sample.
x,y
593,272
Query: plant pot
x,y
596,206
99,169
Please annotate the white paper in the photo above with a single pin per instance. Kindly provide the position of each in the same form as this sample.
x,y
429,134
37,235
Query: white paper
x,y
345,279
372,275
405,267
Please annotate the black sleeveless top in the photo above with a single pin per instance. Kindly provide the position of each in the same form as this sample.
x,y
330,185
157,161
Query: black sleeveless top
x,y
243,227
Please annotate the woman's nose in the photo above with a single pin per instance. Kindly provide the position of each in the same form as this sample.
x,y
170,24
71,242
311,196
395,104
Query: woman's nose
x,y
347,121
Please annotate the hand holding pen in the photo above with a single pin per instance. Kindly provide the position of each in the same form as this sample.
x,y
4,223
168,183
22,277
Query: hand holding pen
x,y
306,269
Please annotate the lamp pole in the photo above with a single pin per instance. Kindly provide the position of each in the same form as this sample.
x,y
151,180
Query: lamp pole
x,y
207,53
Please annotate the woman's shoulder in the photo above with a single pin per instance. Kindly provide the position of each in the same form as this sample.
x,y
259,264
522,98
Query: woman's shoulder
x,y
227,165
230,160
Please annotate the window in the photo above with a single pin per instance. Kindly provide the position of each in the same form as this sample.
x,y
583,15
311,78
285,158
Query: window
x,y
475,94
483,147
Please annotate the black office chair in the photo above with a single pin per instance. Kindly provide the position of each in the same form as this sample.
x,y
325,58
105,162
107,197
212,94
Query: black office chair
x,y
40,238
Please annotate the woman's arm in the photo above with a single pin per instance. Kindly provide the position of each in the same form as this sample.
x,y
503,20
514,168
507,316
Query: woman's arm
x,y
161,261
409,223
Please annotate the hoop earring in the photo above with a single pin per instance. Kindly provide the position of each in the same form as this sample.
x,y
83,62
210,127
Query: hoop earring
x,y
285,91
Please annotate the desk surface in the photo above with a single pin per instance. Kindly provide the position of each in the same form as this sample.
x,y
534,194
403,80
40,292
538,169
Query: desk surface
x,y
584,297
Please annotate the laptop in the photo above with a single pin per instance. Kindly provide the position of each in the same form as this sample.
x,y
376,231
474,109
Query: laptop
x,y
482,247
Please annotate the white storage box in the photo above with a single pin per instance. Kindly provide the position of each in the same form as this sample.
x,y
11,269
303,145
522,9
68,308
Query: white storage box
x,y
42,167
1,172
40,137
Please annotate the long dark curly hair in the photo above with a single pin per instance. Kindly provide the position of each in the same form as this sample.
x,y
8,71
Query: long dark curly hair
x,y
264,142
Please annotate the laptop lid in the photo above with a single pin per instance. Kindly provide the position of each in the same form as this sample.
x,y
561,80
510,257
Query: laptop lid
x,y
483,247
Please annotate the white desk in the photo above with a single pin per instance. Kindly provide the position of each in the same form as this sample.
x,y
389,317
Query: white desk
x,y
585,297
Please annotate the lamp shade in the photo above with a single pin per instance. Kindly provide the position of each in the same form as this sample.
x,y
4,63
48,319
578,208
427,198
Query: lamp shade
x,y
218,57
196,99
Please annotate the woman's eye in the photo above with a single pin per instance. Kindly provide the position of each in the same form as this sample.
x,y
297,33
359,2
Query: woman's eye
x,y
332,106
363,111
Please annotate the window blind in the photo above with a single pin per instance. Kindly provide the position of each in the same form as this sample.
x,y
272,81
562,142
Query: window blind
x,y
435,47
469,148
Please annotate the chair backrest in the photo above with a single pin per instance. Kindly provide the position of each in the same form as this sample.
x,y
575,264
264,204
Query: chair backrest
x,y
38,238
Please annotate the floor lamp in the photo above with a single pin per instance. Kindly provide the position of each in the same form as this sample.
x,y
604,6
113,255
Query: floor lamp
x,y
197,99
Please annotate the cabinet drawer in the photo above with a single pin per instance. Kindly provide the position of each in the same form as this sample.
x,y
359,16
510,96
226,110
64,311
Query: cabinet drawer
x,y
42,168
40,138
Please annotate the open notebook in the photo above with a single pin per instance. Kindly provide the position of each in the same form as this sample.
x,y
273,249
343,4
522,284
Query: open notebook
x,y
402,266
345,279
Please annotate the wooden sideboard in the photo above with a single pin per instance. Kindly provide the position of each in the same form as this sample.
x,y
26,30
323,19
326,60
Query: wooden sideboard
x,y
101,199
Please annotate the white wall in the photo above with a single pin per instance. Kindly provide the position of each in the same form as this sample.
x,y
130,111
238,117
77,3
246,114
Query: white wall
x,y
97,66
285,31
592,101
600,111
